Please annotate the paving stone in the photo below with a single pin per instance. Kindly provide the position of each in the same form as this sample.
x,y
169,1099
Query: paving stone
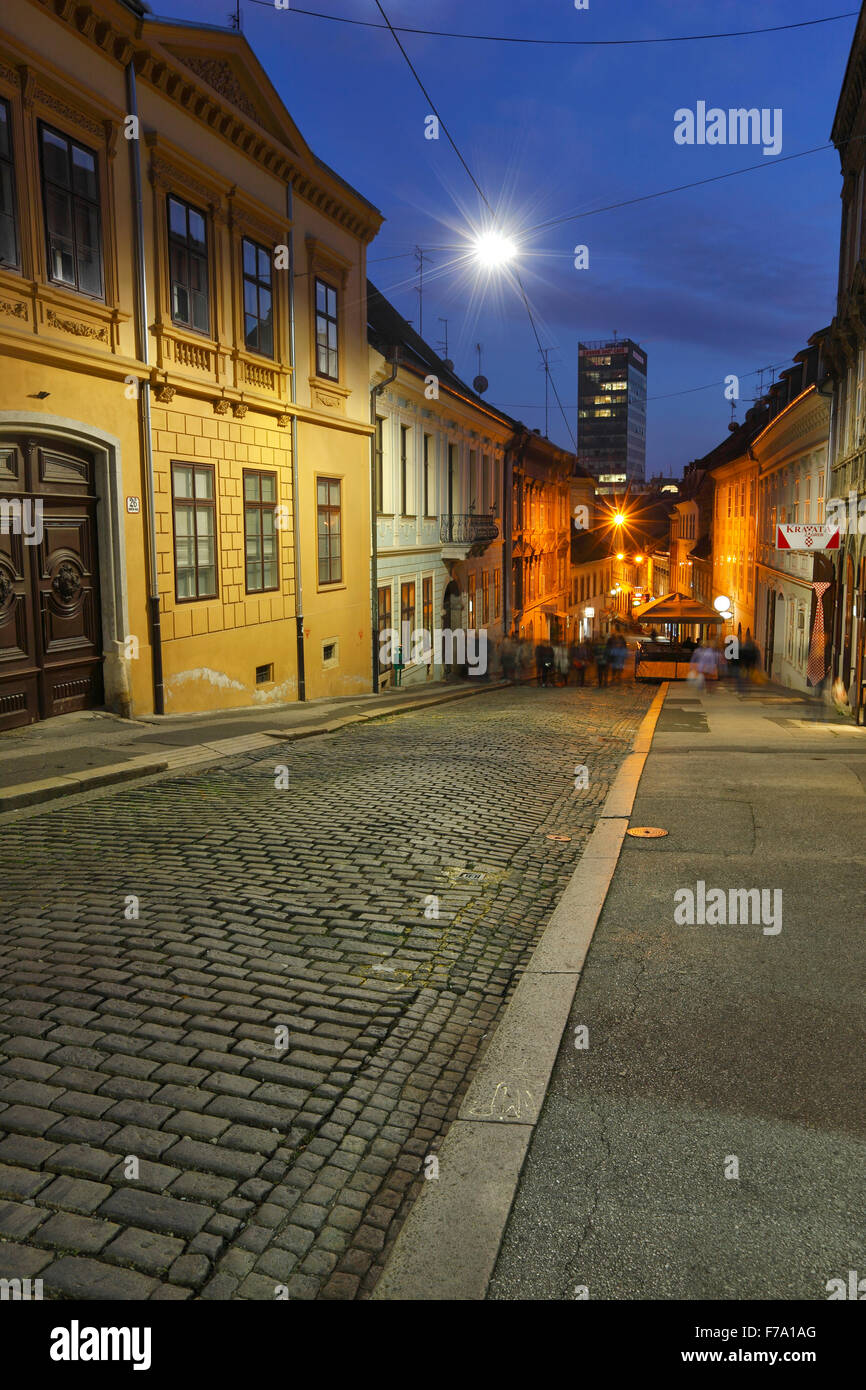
x,y
210,1158
203,1187
155,1212
20,1182
74,1277
257,1141
78,1129
18,1220
148,1251
170,1034
22,1261
81,1235
142,1142
75,1194
221,1287
190,1269
204,1244
193,1126
27,1119
81,1161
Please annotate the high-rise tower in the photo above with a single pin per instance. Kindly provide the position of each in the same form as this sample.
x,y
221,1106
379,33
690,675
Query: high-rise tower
x,y
611,385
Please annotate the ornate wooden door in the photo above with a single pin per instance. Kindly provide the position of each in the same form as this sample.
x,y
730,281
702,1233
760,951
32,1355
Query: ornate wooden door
x,y
50,625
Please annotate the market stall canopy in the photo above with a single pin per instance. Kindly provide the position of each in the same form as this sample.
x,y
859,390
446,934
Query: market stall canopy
x,y
676,608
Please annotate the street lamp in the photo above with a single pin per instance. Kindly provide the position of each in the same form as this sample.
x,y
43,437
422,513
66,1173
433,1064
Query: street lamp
x,y
494,249
721,604
619,518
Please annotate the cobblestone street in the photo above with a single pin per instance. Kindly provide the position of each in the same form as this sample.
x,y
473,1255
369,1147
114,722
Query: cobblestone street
x,y
283,1032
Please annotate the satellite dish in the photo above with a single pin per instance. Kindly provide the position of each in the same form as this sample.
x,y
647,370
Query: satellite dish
x,y
481,384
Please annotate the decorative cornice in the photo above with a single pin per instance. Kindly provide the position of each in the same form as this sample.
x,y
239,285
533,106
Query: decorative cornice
x,y
69,113
221,76
165,175
74,326
246,221
15,310
216,107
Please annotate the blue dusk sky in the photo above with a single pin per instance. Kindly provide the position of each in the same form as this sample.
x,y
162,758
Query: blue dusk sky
x,y
721,279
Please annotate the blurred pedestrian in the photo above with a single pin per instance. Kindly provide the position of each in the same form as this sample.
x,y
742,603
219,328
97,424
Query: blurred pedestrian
x,y
618,652
704,664
544,663
580,659
601,659
561,661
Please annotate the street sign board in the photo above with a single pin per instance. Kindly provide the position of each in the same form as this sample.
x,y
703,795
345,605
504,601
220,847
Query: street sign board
x,y
807,536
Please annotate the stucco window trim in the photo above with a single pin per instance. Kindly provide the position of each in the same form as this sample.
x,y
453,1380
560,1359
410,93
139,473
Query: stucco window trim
x,y
169,178
327,265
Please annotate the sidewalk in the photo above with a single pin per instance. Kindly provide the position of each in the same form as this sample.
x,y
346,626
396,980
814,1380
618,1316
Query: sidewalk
x,y
79,752
707,1047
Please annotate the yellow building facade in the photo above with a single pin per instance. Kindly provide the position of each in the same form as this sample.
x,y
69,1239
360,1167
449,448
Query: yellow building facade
x,y
184,409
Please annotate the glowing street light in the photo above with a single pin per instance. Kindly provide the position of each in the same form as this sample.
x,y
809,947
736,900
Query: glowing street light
x,y
721,604
620,556
638,559
619,518
494,249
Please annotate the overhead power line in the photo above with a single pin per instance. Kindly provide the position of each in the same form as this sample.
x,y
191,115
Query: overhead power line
x,y
689,390
561,43
485,200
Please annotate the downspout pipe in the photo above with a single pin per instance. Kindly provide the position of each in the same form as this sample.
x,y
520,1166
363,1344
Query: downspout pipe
x,y
375,391
296,502
144,397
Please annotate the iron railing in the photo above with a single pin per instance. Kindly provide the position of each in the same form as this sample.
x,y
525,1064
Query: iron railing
x,y
467,530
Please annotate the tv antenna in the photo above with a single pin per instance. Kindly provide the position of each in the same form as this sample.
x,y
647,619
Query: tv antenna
x,y
420,255
443,344
545,361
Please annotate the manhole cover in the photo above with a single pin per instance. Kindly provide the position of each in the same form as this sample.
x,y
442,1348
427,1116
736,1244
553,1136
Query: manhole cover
x,y
646,832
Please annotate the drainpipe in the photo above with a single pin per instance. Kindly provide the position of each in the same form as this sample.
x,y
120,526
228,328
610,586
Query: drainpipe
x,y
144,400
374,537
296,502
516,453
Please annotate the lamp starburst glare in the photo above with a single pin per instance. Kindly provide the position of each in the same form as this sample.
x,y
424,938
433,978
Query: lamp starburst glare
x,y
493,249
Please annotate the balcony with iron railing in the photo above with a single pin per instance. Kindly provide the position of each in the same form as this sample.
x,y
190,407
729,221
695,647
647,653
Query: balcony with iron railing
x,y
458,529
461,533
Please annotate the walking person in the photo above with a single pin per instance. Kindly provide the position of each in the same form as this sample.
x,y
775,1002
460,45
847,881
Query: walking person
x,y
704,664
580,660
618,652
601,659
562,661
544,662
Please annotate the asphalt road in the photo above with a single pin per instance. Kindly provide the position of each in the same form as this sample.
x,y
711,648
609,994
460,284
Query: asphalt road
x,y
714,1043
